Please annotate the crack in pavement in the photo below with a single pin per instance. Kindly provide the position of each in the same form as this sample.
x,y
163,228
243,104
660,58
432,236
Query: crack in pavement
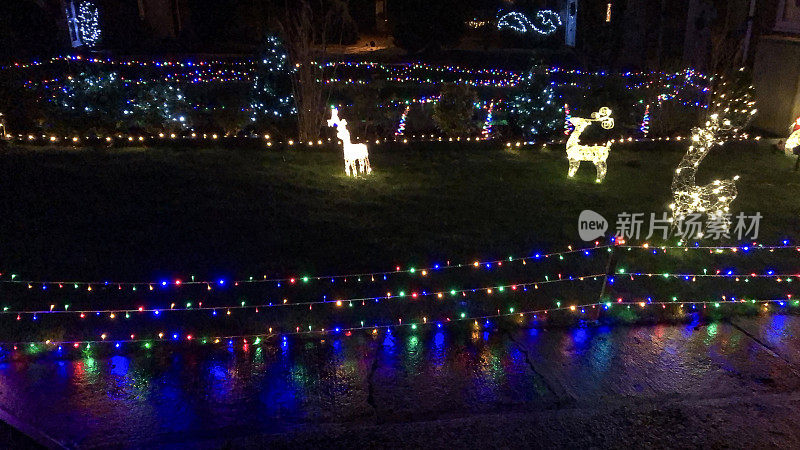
x,y
563,397
768,349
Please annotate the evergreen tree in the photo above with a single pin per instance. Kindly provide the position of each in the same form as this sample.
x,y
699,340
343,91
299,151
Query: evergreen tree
x,y
89,102
271,95
537,109
158,107
453,112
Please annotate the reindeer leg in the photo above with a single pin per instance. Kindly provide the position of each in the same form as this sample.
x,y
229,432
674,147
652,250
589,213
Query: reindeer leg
x,y
601,171
573,167
368,169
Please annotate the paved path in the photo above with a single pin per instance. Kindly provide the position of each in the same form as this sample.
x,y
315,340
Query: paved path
x,y
721,384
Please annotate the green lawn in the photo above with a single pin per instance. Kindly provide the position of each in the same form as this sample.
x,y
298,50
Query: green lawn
x,y
150,214
133,213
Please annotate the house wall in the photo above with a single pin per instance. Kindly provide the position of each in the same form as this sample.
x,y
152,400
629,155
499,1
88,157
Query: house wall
x,y
776,76
162,16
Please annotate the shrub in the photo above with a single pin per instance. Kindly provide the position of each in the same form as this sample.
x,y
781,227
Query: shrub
x,y
453,112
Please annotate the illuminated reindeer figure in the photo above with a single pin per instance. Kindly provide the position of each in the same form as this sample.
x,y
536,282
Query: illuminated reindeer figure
x,y
356,157
713,199
597,154
794,139
2,126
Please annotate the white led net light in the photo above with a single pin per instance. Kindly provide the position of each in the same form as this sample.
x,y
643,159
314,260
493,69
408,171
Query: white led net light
x,y
89,23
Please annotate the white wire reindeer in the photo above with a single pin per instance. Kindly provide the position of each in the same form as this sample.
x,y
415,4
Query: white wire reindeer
x,y
713,199
356,157
794,139
2,126
597,154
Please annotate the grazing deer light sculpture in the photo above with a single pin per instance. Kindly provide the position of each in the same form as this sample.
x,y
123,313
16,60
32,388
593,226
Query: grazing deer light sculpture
x,y
713,199
732,107
356,157
597,154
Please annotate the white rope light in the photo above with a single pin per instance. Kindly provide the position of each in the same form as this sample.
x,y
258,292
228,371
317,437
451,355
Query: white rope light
x,y
356,157
597,154
548,20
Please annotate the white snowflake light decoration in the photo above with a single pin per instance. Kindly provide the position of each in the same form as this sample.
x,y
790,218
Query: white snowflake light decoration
x,y
88,19
356,157
597,154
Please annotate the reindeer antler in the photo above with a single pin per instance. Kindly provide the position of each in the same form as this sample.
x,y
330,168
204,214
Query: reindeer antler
x,y
604,117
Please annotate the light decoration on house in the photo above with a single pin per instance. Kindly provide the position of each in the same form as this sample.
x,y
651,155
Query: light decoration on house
x,y
732,108
478,23
794,138
88,20
597,154
356,157
645,128
547,22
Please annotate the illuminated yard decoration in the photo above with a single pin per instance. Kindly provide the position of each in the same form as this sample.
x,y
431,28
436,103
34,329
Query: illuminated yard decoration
x,y
731,109
548,22
89,23
794,139
356,157
597,154
713,199
3,127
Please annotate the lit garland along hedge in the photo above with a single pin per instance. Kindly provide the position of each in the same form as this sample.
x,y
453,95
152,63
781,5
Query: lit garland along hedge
x,y
688,87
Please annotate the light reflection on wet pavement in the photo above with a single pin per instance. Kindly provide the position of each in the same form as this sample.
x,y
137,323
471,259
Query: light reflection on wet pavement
x,y
186,394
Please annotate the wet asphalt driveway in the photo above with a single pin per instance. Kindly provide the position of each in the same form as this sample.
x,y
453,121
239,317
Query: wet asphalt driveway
x,y
727,384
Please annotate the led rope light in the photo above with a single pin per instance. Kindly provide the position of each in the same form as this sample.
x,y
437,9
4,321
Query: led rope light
x,y
401,128
548,21
645,128
487,125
